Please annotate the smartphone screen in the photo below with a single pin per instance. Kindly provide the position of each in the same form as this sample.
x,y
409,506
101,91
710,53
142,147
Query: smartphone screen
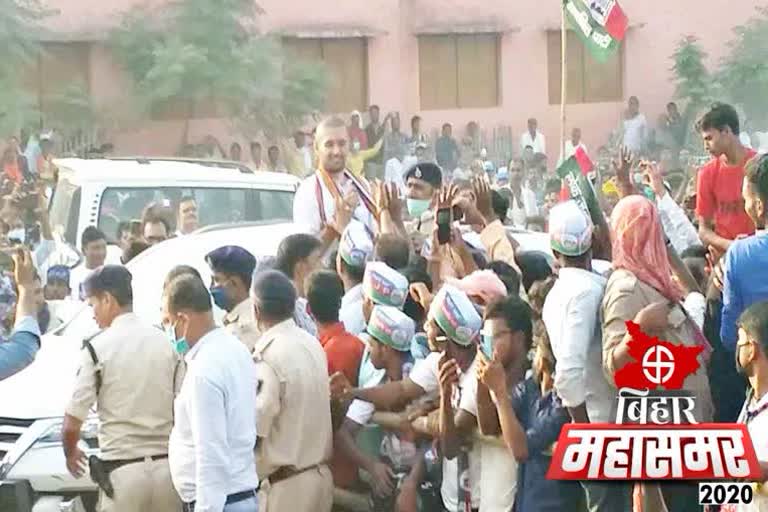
x,y
486,345
443,219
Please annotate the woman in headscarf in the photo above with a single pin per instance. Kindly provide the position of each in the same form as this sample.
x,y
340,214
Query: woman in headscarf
x,y
641,289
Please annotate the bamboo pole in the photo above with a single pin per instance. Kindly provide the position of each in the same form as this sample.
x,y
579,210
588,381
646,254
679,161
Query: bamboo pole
x,y
563,76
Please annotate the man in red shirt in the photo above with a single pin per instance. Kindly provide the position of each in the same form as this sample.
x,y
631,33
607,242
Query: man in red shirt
x,y
343,350
719,203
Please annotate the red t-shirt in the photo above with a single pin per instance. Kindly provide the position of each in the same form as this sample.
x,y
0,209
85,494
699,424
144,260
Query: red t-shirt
x,y
718,197
344,352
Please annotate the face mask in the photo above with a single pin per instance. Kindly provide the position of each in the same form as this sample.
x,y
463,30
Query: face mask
x,y
179,344
417,207
356,146
17,234
220,298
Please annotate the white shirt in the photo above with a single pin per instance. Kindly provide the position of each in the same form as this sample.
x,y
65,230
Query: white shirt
x,y
393,173
498,485
466,400
677,225
635,132
538,143
77,277
572,317
758,431
519,213
302,317
306,207
306,156
351,312
210,450
425,375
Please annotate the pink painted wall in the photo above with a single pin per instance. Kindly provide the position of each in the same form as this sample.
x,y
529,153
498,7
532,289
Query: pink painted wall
x,y
393,58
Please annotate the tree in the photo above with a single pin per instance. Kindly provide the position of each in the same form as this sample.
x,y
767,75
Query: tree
x,y
744,71
693,82
18,24
196,51
68,107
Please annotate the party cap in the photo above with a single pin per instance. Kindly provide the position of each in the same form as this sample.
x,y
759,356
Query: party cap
x,y
356,246
385,285
455,314
390,326
570,230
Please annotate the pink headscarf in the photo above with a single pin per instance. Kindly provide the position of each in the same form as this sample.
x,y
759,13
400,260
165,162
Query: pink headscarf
x,y
482,286
639,247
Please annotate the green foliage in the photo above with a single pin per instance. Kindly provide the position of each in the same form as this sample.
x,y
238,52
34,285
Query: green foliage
x,y
693,82
744,71
18,21
741,78
193,50
68,108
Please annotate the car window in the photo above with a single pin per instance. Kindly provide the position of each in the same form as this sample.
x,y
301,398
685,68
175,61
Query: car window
x,y
65,210
215,205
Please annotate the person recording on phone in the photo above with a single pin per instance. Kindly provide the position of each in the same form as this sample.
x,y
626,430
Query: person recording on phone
x,y
20,349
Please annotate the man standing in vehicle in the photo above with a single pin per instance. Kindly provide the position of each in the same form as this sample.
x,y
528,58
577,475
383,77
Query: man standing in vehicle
x,y
326,201
128,370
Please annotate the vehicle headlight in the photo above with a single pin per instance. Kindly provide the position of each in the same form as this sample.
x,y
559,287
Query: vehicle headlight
x,y
52,434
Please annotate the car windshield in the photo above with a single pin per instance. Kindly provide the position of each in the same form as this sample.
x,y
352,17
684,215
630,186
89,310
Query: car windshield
x,y
65,210
215,205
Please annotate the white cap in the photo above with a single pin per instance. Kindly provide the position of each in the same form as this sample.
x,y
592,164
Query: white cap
x,y
570,229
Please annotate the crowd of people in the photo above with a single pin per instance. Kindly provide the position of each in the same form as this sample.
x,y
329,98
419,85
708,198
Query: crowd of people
x,y
405,346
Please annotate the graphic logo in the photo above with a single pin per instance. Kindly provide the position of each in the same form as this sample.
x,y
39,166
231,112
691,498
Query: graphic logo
x,y
656,435
657,363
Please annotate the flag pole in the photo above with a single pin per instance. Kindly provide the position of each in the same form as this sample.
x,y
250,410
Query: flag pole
x,y
563,76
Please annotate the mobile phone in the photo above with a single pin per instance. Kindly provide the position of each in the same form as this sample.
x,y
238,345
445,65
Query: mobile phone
x,y
486,345
443,220
457,212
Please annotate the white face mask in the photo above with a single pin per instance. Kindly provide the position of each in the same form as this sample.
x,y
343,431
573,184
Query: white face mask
x,y
17,234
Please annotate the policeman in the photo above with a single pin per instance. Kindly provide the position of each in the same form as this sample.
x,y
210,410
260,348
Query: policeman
x,y
232,268
128,371
293,416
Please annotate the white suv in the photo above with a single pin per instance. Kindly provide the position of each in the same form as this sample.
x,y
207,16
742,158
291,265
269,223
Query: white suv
x,y
104,192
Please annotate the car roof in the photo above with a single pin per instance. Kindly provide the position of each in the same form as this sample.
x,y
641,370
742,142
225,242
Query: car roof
x,y
145,171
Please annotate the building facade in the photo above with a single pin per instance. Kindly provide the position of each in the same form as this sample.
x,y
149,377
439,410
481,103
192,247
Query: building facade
x,y
456,61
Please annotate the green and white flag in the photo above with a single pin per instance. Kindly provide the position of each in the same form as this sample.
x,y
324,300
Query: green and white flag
x,y
601,24
576,185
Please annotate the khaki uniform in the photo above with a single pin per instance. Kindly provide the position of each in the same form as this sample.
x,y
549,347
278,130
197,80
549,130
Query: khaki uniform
x,y
241,322
135,408
293,422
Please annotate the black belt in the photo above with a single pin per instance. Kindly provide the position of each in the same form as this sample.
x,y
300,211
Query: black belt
x,y
111,465
232,498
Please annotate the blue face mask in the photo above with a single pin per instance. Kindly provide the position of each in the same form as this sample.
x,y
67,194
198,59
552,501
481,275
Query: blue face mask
x,y
220,298
417,207
179,344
